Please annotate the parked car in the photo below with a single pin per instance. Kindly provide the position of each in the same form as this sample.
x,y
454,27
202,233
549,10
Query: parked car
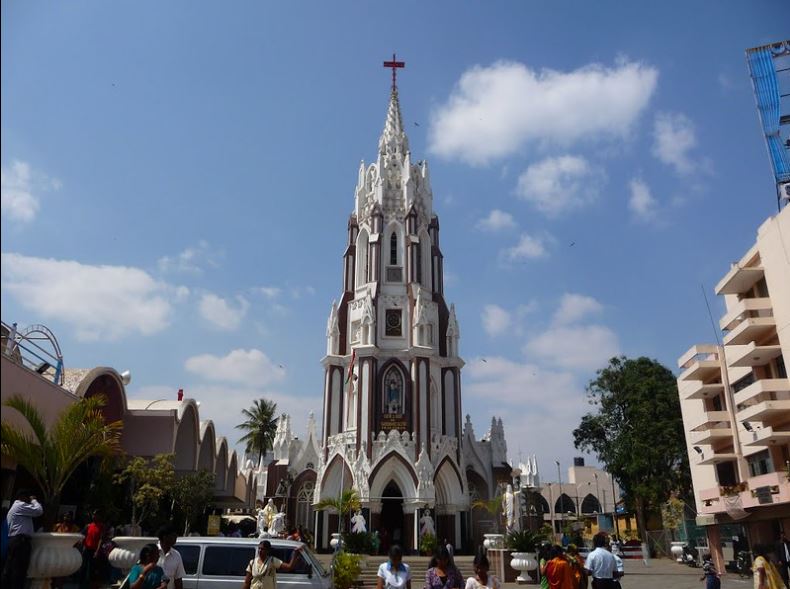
x,y
221,563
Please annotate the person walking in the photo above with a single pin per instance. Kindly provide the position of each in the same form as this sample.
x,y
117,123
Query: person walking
x,y
394,574
482,579
170,559
90,549
783,558
577,567
442,573
558,570
601,564
147,574
765,574
262,570
543,560
20,529
709,573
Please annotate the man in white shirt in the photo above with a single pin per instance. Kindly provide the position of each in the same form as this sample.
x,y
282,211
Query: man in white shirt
x,y
170,558
20,529
601,564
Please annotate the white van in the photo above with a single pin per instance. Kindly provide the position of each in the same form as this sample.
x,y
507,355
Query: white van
x,y
221,563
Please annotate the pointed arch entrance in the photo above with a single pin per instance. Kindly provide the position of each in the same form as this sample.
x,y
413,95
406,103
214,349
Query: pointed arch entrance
x,y
392,528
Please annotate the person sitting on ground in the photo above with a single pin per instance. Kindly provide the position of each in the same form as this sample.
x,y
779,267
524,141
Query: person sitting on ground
x,y
394,574
147,574
482,579
442,573
262,570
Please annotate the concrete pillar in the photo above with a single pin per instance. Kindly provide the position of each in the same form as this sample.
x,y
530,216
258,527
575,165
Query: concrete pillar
x,y
714,544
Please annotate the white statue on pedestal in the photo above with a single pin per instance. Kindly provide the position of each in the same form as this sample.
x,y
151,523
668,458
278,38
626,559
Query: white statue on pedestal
x,y
510,509
426,524
269,512
358,524
278,525
260,518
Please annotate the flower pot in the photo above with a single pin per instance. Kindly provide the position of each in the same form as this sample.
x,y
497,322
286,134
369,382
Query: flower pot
x,y
493,541
523,562
53,555
127,551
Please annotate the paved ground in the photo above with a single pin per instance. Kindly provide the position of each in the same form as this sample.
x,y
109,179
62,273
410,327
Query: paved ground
x,y
667,574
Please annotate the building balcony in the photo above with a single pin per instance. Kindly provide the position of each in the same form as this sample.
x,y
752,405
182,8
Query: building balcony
x,y
700,362
764,385
715,425
766,436
744,309
716,458
700,390
753,355
751,329
764,411
742,275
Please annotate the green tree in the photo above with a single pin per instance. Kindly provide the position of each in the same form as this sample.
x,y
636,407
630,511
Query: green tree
x,y
492,506
192,493
52,454
348,502
150,481
673,513
637,431
259,427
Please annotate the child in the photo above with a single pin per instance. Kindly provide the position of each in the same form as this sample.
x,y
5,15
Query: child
x,y
709,572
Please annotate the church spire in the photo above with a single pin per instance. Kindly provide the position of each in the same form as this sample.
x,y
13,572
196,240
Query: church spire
x,y
393,138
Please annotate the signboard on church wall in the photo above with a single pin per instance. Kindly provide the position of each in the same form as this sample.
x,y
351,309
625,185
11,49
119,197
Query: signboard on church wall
x,y
390,421
212,529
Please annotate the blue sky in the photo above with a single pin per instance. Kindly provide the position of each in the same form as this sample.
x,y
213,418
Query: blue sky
x,y
177,179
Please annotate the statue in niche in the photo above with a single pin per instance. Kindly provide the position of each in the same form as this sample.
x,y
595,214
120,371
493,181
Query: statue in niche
x,y
426,524
394,393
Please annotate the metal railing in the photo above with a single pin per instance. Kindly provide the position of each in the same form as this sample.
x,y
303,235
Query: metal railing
x,y
22,347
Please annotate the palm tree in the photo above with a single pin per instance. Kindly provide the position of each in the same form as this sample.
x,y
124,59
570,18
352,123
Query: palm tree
x,y
51,455
347,502
492,506
259,427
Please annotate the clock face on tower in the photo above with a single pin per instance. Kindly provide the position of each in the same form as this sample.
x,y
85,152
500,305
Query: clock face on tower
x,y
393,323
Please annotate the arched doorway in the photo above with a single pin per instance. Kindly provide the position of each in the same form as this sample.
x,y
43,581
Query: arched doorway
x,y
391,526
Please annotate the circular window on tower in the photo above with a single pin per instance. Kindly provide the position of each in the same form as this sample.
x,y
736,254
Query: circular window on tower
x,y
394,327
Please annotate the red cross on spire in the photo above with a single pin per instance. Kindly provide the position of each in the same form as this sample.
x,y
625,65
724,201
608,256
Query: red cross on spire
x,y
394,64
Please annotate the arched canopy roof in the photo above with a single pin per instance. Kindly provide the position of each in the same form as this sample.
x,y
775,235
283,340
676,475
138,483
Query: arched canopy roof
x,y
101,380
336,474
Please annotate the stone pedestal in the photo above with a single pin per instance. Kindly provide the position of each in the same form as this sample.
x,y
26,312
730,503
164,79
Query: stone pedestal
x,y
499,559
52,555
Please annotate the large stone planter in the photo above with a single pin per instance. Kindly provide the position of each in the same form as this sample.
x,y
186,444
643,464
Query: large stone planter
x,y
127,552
335,541
676,548
493,541
523,562
53,555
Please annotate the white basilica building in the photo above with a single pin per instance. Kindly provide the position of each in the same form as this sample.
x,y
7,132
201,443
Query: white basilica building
x,y
392,427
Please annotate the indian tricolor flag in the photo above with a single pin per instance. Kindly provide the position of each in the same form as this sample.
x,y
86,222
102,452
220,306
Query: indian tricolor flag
x,y
350,378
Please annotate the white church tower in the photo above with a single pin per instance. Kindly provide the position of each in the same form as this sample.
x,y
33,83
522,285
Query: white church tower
x,y
392,401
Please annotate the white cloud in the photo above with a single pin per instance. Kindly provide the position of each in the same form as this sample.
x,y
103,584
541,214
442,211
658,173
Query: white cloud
x,y
495,110
575,347
221,313
527,248
497,221
560,184
270,292
496,320
574,307
673,137
513,381
641,202
191,260
252,368
100,302
17,187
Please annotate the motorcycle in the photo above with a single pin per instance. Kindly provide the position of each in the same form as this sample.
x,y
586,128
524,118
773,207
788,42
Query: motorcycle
x,y
690,555
743,563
